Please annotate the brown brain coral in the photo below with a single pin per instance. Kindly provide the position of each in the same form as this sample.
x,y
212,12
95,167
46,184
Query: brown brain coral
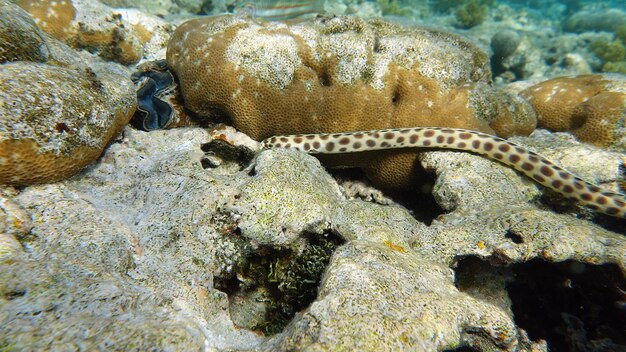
x,y
56,120
592,107
340,74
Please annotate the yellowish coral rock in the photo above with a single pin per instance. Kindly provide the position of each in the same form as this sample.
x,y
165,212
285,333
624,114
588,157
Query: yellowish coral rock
x,y
592,107
340,74
14,220
54,121
53,17
9,247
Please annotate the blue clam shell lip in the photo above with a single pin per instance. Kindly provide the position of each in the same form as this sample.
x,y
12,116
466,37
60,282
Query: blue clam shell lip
x,y
153,85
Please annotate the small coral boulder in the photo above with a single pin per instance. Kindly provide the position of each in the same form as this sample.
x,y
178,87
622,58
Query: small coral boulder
x,y
54,121
592,107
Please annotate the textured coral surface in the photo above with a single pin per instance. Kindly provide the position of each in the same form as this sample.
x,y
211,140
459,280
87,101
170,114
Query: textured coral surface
x,y
59,108
118,35
340,74
57,120
157,246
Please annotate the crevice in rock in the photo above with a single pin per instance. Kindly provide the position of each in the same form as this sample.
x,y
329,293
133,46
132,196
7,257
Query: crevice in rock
x,y
514,237
482,280
272,284
418,201
572,305
462,349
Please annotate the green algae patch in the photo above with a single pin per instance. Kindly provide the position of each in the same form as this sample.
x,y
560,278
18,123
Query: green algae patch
x,y
285,281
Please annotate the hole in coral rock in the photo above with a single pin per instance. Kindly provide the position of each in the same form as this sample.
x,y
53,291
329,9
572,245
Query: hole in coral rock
x,y
324,78
579,118
463,349
471,275
516,238
61,127
378,47
11,295
398,94
573,306
271,285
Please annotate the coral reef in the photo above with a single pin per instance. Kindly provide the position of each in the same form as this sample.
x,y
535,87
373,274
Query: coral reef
x,y
592,107
615,66
133,276
612,52
402,301
609,50
57,116
340,74
100,259
393,7
57,120
123,35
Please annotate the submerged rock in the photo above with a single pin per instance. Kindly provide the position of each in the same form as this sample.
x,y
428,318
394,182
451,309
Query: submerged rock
x,y
591,107
154,247
609,20
339,74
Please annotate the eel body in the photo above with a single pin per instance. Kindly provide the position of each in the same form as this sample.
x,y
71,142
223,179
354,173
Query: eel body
x,y
527,162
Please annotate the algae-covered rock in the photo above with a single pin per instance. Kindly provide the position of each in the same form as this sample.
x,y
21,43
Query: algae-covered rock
x,y
595,20
125,250
375,298
491,215
504,43
14,220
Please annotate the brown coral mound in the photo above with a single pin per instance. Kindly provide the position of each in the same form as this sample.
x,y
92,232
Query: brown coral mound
x,y
340,74
592,107
56,120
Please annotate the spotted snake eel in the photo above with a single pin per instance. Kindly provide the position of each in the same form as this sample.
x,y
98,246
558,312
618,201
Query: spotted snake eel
x,y
527,162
